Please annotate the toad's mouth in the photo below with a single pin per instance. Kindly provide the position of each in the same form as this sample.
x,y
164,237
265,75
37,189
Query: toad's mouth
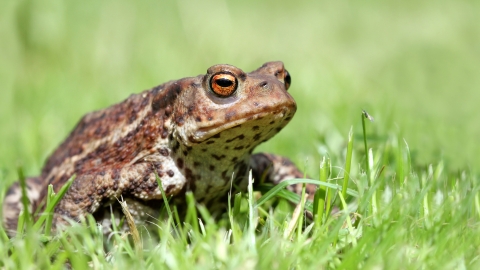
x,y
284,113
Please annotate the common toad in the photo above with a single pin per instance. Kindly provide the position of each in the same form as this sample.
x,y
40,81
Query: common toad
x,y
197,134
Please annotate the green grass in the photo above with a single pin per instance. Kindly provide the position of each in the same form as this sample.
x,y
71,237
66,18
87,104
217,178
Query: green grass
x,y
413,203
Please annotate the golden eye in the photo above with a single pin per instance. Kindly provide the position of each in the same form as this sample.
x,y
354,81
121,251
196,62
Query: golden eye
x,y
287,79
224,84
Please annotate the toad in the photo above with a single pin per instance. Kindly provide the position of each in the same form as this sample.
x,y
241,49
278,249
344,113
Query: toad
x,y
196,134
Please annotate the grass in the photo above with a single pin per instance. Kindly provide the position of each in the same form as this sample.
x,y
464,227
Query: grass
x,y
413,188
428,219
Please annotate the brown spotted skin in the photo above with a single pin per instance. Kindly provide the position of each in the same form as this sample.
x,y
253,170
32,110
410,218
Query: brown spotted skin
x,y
195,133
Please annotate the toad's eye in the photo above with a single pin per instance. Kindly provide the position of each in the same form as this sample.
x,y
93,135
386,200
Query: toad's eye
x,y
287,79
224,84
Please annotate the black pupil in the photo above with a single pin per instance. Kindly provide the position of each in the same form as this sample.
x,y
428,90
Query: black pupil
x,y
224,82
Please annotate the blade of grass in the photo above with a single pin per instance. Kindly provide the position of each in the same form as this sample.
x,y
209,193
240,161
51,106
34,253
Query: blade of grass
x,y
133,228
49,220
369,117
26,221
409,158
183,234
425,204
3,235
277,188
294,222
373,202
477,204
165,201
252,216
303,198
320,204
192,217
328,200
20,223
348,163
233,212
319,200
400,162
55,200
349,220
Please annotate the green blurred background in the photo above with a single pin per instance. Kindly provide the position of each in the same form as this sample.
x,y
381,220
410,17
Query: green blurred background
x,y
413,65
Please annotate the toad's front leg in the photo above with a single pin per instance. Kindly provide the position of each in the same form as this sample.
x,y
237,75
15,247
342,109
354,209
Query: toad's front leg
x,y
90,189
